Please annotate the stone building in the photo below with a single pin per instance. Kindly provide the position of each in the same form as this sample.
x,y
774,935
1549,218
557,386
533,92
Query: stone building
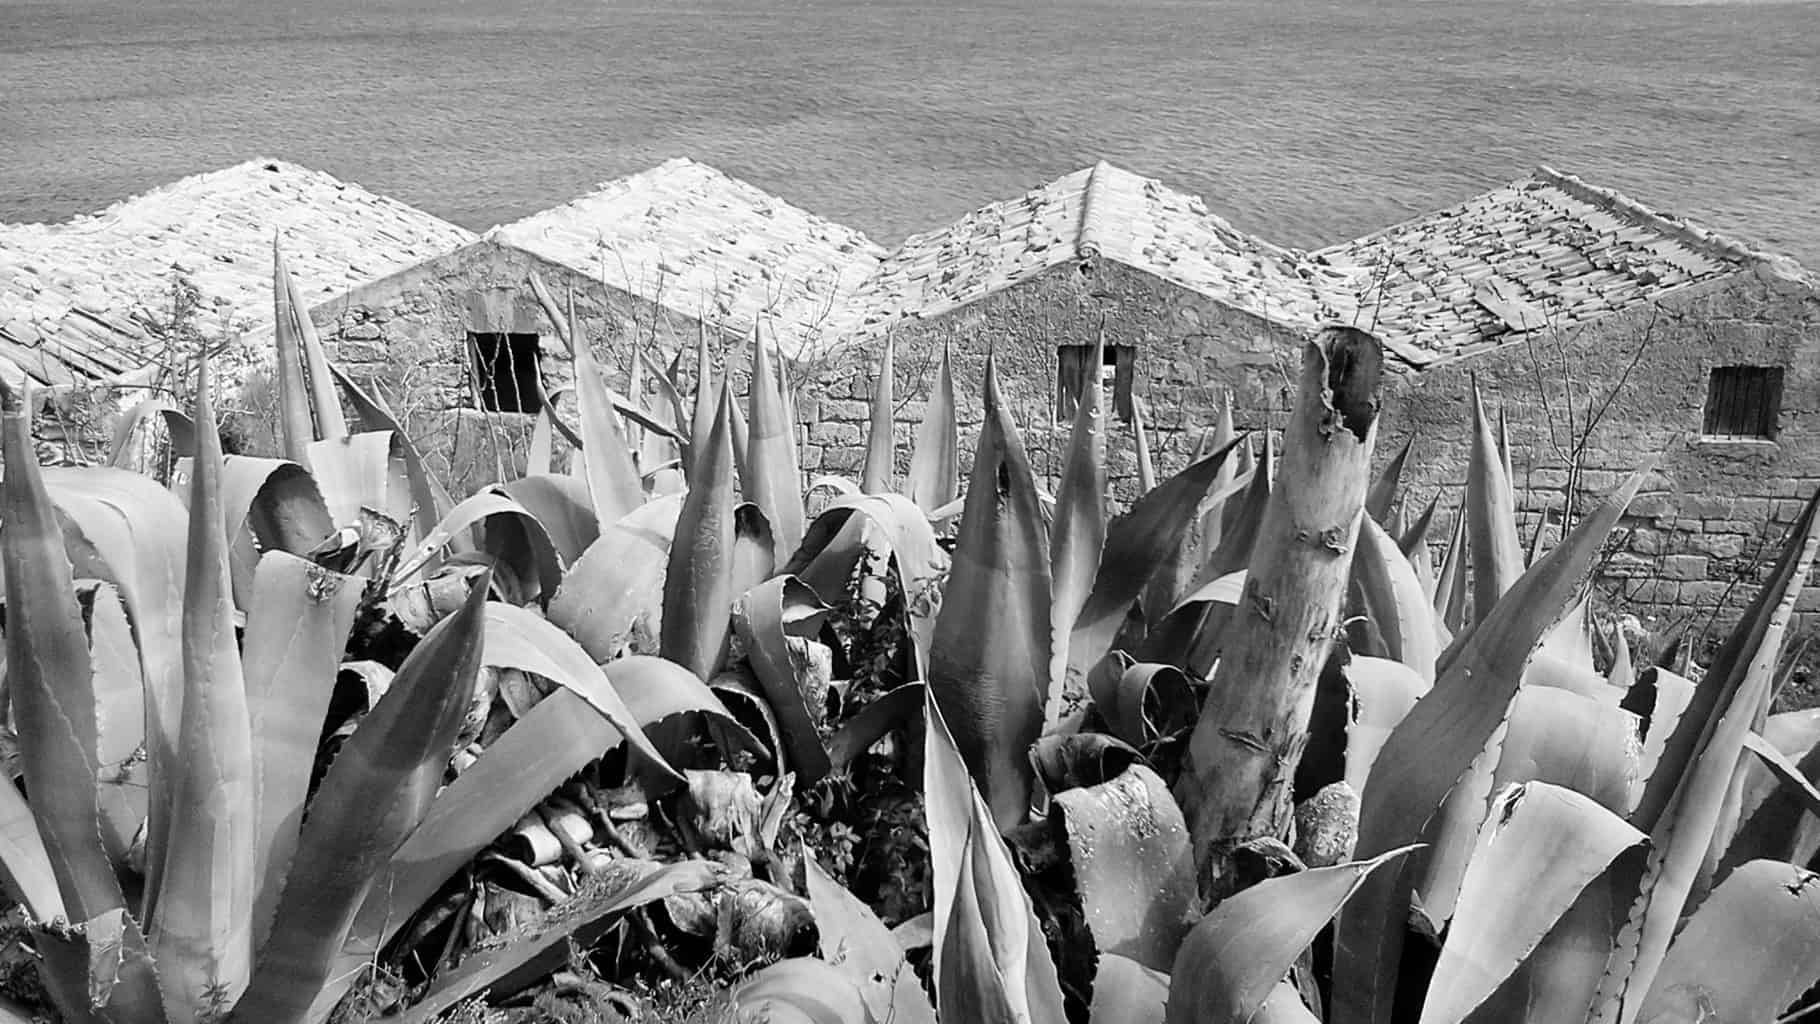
x,y
86,305
1190,308
1609,335
650,260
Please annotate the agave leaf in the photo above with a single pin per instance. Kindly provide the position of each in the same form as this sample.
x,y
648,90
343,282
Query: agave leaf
x,y
177,424
540,562
540,457
703,417
1552,736
1778,813
829,552
1491,515
375,794
430,499
775,620
1394,599
1541,845
613,481
521,639
855,940
990,685
25,866
612,597
698,583
1698,775
1750,950
1453,590
204,909
1140,440
754,548
1436,743
533,955
360,471
559,735
881,451
296,428
1137,543
1127,992
1213,516
268,505
1232,960
1078,533
297,628
1382,693
49,676
935,462
801,990
124,527
988,945
1132,864
119,685
1143,702
1245,747
773,483
324,406
1383,491
562,506
100,971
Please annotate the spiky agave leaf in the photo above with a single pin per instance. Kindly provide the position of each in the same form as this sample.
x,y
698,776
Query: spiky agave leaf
x,y
297,629
990,683
774,484
1078,534
375,794
935,462
1491,515
1232,960
201,930
613,479
1384,490
1683,803
881,447
296,428
49,678
698,582
1433,747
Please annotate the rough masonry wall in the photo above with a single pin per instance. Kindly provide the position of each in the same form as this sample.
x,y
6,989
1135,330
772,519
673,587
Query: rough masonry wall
x,y
1191,351
406,337
1712,513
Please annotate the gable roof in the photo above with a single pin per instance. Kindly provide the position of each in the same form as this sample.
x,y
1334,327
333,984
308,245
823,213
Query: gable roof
x,y
75,295
705,245
1105,211
1545,251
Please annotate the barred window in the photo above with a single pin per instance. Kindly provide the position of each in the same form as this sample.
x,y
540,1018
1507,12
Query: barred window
x,y
505,371
1743,402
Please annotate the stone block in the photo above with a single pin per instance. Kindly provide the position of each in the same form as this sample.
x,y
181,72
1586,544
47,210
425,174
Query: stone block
x,y
1646,542
832,433
847,411
1684,567
1718,545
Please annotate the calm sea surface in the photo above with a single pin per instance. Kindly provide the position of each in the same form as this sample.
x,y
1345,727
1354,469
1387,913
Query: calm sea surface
x,y
1305,120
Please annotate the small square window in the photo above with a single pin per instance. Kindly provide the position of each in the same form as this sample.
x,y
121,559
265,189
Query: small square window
x,y
1743,402
505,371
1074,373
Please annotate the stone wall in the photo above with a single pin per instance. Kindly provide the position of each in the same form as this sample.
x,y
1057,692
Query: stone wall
x,y
406,336
1712,512
1191,351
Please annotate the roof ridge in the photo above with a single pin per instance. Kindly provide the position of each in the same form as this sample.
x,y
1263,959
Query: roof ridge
x,y
1613,201
1087,230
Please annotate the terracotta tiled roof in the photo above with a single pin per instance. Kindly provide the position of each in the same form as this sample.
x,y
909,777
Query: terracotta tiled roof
x,y
1100,210
1546,251
705,245
74,295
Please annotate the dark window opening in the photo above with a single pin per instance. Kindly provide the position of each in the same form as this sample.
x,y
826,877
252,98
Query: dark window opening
x,y
1074,373
505,371
1743,401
